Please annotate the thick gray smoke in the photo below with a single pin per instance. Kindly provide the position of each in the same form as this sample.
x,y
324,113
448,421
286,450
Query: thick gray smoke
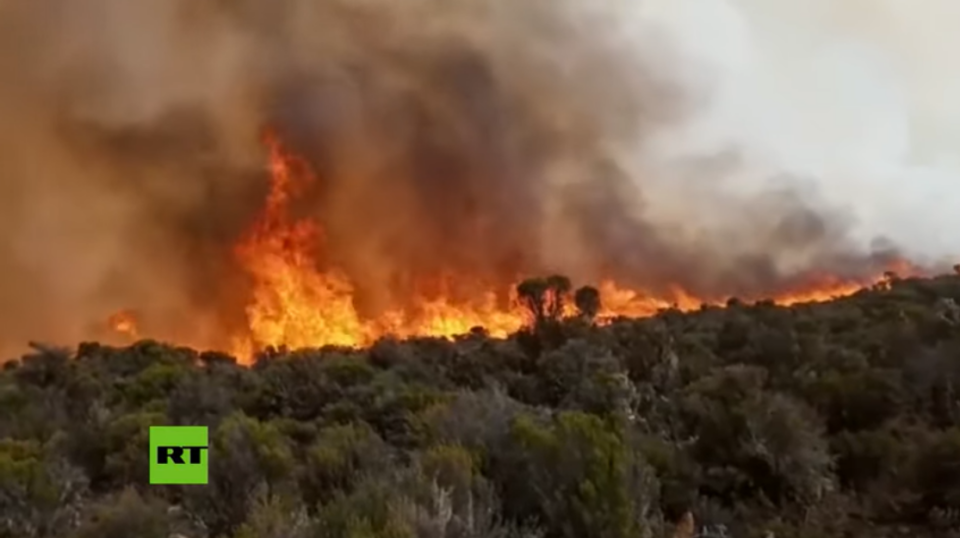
x,y
488,138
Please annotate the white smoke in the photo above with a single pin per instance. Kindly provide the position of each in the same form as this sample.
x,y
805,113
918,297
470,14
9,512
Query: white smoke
x,y
855,101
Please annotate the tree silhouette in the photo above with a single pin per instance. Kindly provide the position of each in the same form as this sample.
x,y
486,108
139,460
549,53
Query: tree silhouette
x,y
532,294
545,298
587,299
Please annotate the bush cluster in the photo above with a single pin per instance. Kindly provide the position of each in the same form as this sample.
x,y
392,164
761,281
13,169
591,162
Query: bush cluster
x,y
752,420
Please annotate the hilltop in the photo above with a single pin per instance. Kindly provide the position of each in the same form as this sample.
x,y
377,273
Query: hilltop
x,y
815,420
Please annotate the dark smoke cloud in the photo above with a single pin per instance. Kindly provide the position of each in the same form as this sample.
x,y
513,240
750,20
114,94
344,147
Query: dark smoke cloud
x,y
474,137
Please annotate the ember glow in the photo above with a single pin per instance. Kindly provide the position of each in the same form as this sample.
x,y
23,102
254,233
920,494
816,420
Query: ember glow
x,y
297,305
124,323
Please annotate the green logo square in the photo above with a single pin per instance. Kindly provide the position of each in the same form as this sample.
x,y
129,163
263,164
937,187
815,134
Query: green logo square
x,y
178,455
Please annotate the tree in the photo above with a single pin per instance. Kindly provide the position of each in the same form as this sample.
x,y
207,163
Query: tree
x,y
753,443
582,478
38,490
247,458
339,457
545,298
587,299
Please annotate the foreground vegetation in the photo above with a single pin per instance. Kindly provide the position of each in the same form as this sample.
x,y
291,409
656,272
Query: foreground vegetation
x,y
827,420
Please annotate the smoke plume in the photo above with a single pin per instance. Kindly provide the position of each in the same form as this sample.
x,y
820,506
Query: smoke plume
x,y
485,139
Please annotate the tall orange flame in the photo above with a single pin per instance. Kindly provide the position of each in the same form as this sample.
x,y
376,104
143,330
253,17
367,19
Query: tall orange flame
x,y
296,305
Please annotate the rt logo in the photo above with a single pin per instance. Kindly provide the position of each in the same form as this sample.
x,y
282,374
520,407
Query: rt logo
x,y
178,455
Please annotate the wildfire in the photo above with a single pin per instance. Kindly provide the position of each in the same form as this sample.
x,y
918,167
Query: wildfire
x,y
295,304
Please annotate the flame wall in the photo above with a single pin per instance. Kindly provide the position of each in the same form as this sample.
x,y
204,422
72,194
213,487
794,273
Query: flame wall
x,y
467,142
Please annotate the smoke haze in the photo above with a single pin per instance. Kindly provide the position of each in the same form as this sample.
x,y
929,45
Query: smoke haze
x,y
728,147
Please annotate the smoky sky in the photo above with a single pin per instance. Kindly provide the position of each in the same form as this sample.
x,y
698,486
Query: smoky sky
x,y
480,139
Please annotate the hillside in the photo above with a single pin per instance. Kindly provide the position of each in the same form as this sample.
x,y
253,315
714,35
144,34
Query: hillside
x,y
816,420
